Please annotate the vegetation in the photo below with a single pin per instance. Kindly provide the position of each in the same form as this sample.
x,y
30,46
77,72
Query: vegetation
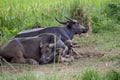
x,y
17,15
102,15
88,74
112,75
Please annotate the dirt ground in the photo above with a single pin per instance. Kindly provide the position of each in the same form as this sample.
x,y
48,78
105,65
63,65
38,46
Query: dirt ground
x,y
90,58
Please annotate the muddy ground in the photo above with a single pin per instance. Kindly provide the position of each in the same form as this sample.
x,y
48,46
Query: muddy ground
x,y
90,58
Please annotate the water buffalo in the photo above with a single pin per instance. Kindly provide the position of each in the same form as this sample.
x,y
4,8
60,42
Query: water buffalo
x,y
67,32
32,49
30,30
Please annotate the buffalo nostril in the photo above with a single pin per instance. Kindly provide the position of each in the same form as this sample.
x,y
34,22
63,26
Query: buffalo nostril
x,y
71,46
85,30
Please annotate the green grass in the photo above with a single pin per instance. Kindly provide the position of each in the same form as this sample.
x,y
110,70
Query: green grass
x,y
17,15
91,74
103,41
19,76
111,57
112,75
88,74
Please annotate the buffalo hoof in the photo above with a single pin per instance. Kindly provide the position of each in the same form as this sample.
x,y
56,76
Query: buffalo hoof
x,y
32,61
64,59
16,60
76,57
72,58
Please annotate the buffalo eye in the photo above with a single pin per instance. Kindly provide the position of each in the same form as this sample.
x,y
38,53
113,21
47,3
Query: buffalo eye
x,y
73,22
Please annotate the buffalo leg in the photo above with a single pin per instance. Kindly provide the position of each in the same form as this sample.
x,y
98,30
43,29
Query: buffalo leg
x,y
61,44
31,61
18,58
27,61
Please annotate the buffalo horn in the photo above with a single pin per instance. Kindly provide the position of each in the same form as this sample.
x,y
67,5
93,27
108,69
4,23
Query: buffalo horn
x,y
73,20
61,22
51,45
41,44
68,18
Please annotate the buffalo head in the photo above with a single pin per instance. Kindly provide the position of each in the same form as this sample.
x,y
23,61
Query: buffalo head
x,y
74,25
47,53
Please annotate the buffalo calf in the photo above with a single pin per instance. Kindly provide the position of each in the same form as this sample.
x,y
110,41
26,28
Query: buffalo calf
x,y
32,49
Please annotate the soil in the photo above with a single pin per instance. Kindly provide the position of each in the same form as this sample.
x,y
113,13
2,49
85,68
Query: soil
x,y
90,58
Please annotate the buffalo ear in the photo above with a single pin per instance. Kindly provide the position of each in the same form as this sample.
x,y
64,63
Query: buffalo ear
x,y
69,25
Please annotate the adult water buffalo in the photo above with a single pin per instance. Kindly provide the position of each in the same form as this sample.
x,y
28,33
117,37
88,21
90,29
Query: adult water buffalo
x,y
32,49
67,32
30,30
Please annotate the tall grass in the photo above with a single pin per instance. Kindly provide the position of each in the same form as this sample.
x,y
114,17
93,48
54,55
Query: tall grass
x,y
112,75
17,15
103,41
22,14
88,74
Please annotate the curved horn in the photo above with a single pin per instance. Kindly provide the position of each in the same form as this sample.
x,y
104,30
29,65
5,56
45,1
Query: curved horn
x,y
68,18
41,44
51,45
61,22
73,20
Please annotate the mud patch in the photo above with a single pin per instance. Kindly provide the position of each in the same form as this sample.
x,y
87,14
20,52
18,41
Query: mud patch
x,y
90,58
86,52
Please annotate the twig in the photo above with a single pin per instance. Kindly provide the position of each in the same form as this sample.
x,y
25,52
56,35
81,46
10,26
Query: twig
x,y
8,64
